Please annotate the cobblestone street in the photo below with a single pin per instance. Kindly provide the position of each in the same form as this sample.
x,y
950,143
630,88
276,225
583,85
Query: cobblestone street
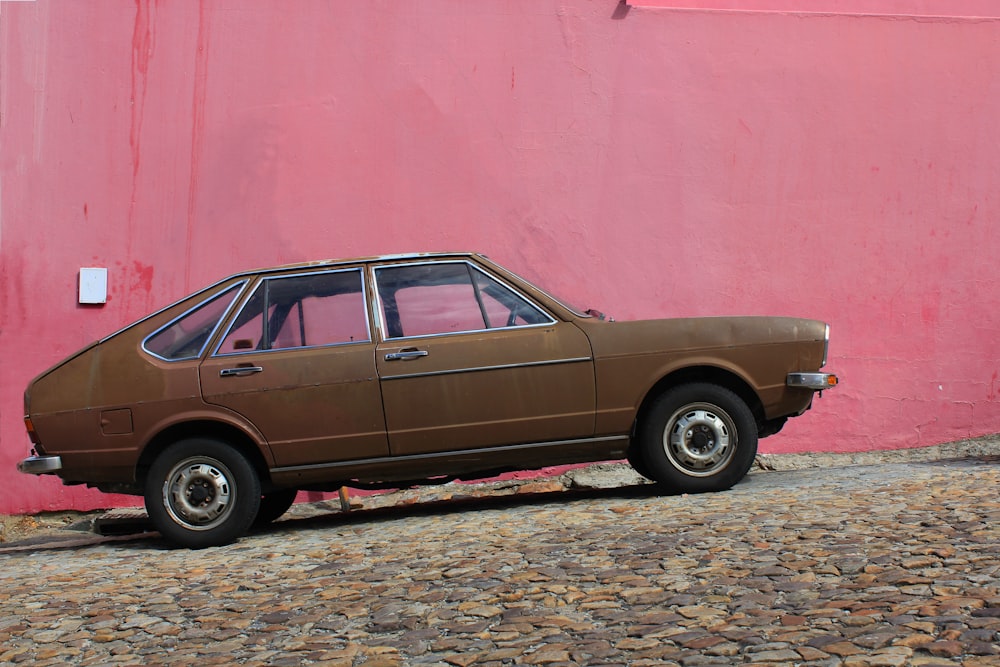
x,y
892,564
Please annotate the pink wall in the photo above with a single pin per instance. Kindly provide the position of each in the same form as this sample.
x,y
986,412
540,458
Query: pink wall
x,y
645,161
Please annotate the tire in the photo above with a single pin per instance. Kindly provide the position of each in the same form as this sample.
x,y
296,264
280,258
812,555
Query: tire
x,y
636,460
698,437
202,493
273,505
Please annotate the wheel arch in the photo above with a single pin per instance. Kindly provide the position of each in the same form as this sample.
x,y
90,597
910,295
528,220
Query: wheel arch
x,y
202,428
702,373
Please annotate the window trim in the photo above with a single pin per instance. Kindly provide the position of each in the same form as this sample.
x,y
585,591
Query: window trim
x,y
264,278
470,266
240,287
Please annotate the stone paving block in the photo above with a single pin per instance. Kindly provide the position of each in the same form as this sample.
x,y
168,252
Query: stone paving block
x,y
889,565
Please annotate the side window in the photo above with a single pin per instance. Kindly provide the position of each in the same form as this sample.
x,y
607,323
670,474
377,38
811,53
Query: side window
x,y
301,311
185,337
247,332
505,307
423,299
450,297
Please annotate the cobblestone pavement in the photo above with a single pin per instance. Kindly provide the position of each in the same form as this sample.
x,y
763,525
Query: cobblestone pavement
x,y
892,564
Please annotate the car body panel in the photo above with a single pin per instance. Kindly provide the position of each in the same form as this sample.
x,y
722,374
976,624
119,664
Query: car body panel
x,y
631,357
311,405
560,387
483,389
69,403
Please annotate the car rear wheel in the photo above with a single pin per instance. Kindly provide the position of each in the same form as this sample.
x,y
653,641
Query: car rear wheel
x,y
638,463
273,505
202,493
698,437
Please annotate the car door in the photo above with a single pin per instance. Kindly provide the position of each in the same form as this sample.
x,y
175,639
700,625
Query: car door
x,y
468,362
297,361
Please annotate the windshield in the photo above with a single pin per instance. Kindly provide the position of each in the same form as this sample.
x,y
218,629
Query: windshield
x,y
579,312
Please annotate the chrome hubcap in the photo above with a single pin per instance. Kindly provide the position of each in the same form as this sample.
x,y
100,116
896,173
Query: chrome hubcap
x,y
700,439
198,493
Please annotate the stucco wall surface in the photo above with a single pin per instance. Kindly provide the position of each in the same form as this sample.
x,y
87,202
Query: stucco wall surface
x,y
646,161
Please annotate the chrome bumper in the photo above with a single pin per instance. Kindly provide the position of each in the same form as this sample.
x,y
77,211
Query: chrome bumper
x,y
816,381
40,465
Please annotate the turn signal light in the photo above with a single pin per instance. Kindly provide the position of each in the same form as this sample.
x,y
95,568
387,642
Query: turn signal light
x,y
31,431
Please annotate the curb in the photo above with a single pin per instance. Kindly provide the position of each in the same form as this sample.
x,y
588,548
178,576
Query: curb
x,y
988,445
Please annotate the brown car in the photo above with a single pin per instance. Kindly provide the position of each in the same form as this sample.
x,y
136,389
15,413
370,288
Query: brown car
x,y
391,371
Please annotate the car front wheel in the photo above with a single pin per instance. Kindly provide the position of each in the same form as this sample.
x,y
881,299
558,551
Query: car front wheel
x,y
202,493
698,437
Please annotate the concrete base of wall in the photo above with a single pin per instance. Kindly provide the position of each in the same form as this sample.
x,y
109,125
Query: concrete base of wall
x,y
988,445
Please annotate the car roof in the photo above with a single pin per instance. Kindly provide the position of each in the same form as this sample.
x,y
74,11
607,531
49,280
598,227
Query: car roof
x,y
356,260
299,265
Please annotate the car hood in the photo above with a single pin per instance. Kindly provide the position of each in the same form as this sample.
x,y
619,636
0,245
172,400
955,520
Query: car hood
x,y
697,333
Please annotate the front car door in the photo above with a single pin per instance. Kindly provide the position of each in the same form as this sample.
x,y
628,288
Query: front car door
x,y
467,362
297,361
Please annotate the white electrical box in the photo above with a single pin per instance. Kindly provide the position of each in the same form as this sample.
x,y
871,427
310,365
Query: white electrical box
x,y
93,285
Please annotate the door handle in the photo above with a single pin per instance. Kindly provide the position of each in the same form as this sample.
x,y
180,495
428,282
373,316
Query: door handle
x,y
406,354
240,370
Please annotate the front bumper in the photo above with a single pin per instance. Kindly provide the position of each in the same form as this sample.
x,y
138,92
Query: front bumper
x,y
40,465
815,381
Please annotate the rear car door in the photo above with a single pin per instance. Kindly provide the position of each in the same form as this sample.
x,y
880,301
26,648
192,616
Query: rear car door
x,y
297,361
467,362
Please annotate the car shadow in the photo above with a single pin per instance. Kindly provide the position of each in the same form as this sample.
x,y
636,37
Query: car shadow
x,y
136,532
454,505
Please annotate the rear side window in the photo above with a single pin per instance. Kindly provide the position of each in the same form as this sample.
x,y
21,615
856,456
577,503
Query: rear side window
x,y
186,337
308,310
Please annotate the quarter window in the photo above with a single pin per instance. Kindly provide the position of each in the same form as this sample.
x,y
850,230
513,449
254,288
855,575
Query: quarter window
x,y
449,297
185,337
301,311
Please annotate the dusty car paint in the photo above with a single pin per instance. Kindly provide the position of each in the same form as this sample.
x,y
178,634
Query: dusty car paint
x,y
380,406
755,353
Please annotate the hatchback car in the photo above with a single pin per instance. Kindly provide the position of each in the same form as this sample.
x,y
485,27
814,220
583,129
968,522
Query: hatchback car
x,y
391,371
